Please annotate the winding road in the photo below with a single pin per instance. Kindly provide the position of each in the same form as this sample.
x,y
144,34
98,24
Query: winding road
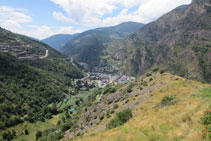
x,y
46,55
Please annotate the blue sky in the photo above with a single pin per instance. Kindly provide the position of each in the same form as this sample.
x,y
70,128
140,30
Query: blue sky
x,y
43,18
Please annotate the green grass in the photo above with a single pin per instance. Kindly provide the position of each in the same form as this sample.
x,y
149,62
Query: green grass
x,y
206,92
32,128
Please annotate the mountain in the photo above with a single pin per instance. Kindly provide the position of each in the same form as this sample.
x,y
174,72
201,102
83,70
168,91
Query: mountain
x,y
88,47
32,77
178,41
59,40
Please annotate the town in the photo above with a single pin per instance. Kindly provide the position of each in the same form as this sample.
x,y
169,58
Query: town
x,y
100,80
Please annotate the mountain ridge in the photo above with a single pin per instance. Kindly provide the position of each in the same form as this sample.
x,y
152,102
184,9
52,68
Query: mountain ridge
x,y
59,40
89,45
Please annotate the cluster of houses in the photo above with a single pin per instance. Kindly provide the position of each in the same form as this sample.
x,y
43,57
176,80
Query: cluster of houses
x,y
101,80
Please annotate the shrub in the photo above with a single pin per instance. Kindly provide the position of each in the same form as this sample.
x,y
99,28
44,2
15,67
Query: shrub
x,y
109,102
140,88
168,100
88,118
149,74
120,119
65,127
38,135
94,110
129,88
127,101
206,121
144,84
9,135
112,111
162,70
155,68
26,131
101,117
116,106
112,90
108,89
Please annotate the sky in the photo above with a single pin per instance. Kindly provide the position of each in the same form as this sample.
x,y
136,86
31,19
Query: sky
x,y
43,18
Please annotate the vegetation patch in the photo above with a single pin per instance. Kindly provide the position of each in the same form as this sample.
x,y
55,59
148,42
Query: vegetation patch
x,y
206,92
120,119
130,87
168,100
206,121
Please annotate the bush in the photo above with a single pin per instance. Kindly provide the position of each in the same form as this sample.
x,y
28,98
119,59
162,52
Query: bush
x,y
206,121
129,88
162,71
120,119
88,118
149,74
26,131
144,84
116,106
112,90
65,127
101,117
155,68
168,100
9,135
38,135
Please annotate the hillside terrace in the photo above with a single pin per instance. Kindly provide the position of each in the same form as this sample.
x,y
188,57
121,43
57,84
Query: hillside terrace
x,y
18,51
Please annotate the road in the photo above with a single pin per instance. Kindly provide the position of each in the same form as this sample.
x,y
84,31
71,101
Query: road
x,y
46,55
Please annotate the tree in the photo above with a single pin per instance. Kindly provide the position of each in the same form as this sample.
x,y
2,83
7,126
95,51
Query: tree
x,y
38,135
26,131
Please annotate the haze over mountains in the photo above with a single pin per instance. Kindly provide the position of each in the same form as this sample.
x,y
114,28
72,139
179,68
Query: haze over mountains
x,y
59,40
164,92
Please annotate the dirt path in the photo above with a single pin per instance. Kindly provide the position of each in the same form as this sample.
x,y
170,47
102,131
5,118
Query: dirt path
x,y
46,55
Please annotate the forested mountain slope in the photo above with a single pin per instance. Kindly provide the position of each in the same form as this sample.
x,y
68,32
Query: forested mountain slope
x,y
88,46
32,77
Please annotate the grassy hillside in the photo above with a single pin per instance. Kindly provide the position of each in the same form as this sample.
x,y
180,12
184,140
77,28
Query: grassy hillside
x,y
164,107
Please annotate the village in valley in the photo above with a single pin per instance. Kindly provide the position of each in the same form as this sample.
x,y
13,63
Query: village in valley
x,y
100,80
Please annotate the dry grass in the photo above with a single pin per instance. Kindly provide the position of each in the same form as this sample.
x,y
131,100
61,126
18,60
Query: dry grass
x,y
151,121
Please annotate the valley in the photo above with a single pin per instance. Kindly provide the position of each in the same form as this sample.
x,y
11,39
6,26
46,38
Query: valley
x,y
128,82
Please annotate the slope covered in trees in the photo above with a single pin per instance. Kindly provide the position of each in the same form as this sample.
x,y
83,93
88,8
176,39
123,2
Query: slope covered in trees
x,y
30,86
89,46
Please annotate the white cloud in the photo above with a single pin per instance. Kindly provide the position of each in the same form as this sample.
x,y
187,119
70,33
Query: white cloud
x,y
90,12
12,18
42,32
60,17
